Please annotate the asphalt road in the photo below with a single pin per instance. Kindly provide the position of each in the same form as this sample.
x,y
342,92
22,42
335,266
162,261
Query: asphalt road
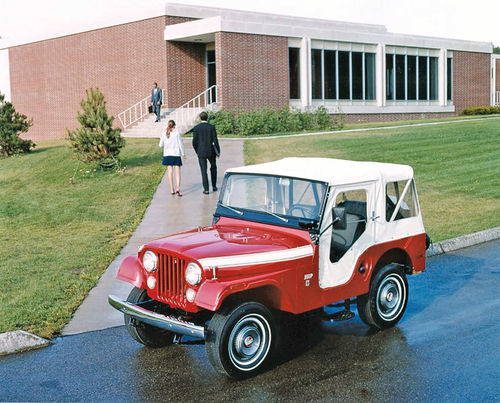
x,y
445,349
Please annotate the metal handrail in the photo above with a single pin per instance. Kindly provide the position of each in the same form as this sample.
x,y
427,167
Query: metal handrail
x,y
135,113
187,112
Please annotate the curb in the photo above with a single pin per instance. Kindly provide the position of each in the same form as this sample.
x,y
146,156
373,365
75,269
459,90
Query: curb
x,y
19,340
463,241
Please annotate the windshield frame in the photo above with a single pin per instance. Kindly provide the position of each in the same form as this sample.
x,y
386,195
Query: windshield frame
x,y
266,217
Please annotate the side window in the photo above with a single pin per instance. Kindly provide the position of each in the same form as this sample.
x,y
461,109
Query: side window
x,y
394,191
354,202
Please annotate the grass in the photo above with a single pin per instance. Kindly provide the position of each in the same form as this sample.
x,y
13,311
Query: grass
x,y
363,125
457,167
57,238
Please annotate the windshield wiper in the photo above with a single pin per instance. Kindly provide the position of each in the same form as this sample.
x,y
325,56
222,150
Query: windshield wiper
x,y
275,215
230,208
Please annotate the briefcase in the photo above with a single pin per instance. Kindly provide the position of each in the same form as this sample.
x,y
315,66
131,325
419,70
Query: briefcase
x,y
150,108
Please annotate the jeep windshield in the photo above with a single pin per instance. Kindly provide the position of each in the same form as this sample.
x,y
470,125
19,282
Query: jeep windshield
x,y
272,199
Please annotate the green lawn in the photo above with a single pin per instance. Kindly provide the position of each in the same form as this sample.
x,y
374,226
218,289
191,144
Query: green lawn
x,y
57,238
457,167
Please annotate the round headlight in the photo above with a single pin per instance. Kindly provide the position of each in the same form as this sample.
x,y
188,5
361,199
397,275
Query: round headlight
x,y
151,281
193,274
149,261
190,294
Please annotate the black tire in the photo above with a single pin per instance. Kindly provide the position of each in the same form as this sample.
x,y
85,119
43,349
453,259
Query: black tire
x,y
241,339
386,301
148,335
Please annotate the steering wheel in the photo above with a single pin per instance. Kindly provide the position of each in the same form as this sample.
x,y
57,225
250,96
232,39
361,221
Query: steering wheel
x,y
337,235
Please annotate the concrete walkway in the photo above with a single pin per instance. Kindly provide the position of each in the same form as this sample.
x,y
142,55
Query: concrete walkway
x,y
165,215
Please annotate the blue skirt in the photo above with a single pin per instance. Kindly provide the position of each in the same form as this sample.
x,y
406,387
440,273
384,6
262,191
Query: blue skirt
x,y
171,160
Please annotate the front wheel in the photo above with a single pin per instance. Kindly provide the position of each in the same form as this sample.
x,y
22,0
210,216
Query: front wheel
x,y
386,301
148,335
241,339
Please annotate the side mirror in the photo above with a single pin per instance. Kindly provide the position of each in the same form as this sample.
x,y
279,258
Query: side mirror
x,y
339,218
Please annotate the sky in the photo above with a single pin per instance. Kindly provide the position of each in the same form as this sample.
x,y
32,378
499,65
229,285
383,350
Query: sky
x,y
455,19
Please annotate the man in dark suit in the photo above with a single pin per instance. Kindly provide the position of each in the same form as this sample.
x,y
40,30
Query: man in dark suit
x,y
206,145
156,100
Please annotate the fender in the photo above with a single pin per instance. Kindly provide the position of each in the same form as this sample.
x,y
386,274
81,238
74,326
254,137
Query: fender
x,y
211,294
131,271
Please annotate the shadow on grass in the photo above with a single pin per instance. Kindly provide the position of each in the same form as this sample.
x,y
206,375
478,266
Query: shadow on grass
x,y
140,161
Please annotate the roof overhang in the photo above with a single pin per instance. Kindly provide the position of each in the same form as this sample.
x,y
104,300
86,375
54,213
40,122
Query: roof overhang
x,y
202,30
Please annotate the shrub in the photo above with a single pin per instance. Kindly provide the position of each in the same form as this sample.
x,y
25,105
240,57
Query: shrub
x,y
481,110
308,120
12,124
96,140
223,120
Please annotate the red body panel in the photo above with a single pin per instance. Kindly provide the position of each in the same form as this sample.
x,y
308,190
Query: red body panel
x,y
282,285
131,271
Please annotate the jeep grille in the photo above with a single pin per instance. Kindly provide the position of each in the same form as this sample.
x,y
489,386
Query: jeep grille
x,y
171,284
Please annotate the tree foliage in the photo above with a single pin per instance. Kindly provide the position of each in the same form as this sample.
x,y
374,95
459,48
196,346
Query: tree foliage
x,y
96,140
12,124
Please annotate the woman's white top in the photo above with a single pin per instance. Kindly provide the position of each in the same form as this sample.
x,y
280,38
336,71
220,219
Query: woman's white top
x,y
172,146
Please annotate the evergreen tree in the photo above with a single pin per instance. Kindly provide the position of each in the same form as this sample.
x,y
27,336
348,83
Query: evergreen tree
x,y
12,124
95,139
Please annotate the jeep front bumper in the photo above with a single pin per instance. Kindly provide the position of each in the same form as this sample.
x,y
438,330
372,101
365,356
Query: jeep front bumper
x,y
156,319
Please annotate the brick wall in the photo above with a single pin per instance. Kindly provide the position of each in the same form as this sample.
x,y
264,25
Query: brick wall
x,y
390,117
252,70
471,80
49,78
186,68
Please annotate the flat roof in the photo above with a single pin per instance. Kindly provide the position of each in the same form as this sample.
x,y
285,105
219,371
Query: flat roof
x,y
212,20
329,170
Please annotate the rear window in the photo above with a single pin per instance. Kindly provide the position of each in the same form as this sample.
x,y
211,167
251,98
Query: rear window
x,y
400,200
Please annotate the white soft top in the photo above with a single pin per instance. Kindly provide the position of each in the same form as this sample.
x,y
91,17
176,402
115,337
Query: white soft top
x,y
329,170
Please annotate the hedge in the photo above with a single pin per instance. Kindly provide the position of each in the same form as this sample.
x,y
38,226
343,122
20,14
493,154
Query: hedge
x,y
481,110
268,121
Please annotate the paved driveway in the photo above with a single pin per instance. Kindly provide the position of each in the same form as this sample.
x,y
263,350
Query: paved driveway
x,y
446,349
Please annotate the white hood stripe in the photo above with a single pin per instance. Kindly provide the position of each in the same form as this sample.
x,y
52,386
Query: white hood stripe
x,y
258,258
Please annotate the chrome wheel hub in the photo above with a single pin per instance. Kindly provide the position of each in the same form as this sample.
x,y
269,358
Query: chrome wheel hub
x,y
391,295
249,342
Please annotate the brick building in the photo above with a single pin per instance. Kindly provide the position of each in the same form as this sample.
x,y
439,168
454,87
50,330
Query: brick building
x,y
256,60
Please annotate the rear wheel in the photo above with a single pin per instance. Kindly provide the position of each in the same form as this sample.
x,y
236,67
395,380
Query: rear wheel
x,y
386,301
241,339
148,335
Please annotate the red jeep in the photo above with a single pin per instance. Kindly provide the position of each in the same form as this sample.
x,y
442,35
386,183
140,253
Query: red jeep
x,y
292,235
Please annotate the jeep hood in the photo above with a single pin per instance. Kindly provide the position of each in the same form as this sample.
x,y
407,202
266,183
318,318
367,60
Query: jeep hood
x,y
229,245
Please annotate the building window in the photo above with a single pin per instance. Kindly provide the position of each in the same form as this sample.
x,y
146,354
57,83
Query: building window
x,y
317,73
330,74
433,78
449,70
369,75
342,75
294,71
211,74
411,78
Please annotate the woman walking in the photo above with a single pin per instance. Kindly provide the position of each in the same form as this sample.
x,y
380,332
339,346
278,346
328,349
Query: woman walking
x,y
173,149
